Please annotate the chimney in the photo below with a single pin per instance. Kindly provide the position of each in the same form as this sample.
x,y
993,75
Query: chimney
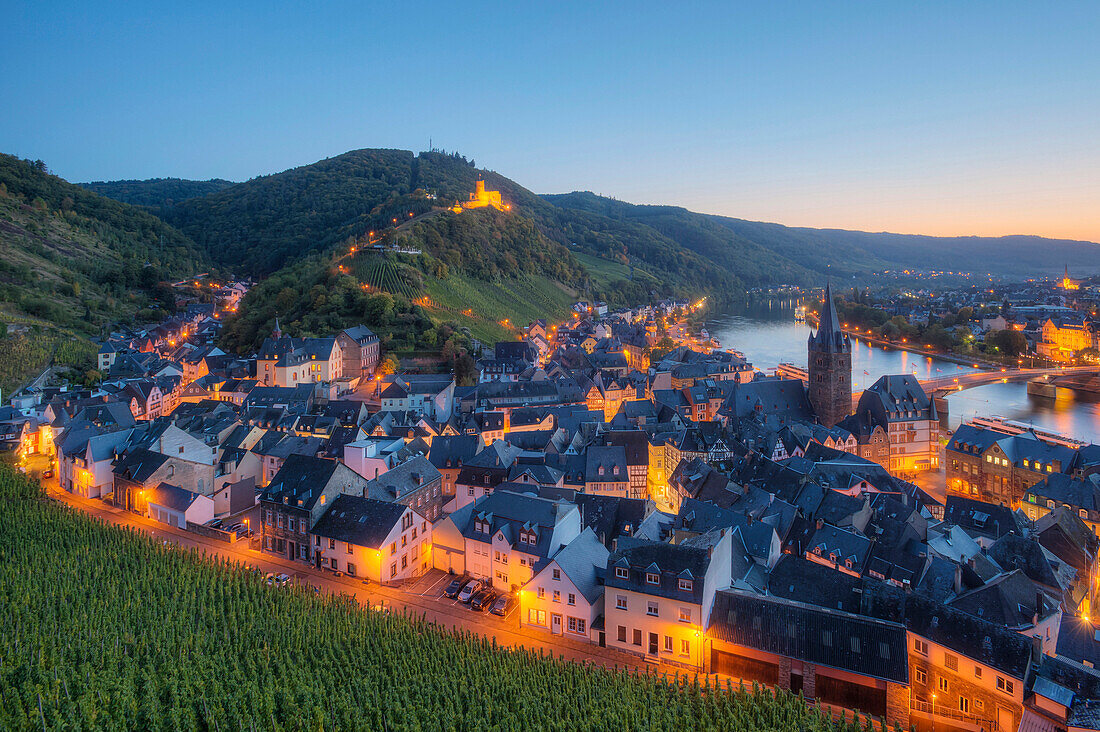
x,y
820,524
1038,606
1036,647
958,579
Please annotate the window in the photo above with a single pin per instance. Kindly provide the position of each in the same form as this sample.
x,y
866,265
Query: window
x,y
282,521
332,563
685,615
541,593
685,585
1050,505
404,541
920,646
331,543
1004,685
393,548
652,579
393,570
943,683
291,524
920,676
637,637
979,704
351,569
977,672
620,602
538,617
668,644
557,595
651,608
964,705
556,573
951,662
622,572
404,561
685,647
622,634
571,599
414,532
348,545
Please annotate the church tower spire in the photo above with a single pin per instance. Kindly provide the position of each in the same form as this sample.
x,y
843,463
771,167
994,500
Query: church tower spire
x,y
829,362
277,332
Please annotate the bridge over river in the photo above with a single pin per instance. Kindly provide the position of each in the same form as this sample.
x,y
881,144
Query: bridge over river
x,y
940,387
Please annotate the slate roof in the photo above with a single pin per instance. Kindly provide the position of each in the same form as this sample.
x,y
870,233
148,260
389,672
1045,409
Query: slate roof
x,y
1008,600
139,464
671,562
583,561
829,337
986,642
861,645
610,517
509,512
359,521
301,478
978,518
172,496
401,480
452,451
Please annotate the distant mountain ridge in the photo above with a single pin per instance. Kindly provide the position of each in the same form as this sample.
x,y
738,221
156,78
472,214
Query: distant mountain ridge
x,y
157,193
845,250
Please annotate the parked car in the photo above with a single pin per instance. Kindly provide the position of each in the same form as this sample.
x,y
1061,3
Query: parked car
x,y
468,590
47,473
235,528
282,579
503,605
455,585
483,599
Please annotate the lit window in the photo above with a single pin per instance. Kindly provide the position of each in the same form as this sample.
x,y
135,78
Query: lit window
x,y
652,579
685,585
651,608
620,602
685,615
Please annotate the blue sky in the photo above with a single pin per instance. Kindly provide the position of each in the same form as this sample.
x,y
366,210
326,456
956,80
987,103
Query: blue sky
x,y
939,118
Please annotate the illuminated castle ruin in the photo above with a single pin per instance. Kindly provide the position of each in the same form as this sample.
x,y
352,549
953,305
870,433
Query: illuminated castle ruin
x,y
482,198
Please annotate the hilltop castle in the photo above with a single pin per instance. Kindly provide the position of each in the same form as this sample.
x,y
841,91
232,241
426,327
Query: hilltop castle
x,y
830,366
481,198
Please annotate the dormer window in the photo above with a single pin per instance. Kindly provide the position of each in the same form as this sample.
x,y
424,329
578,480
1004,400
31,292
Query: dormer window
x,y
622,573
685,585
652,579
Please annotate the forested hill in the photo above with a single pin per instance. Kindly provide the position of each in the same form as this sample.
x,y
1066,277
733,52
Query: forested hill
x,y
726,239
157,193
73,262
273,221
78,259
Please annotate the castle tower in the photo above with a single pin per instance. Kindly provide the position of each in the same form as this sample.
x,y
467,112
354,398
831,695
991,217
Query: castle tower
x,y
277,332
829,360
479,189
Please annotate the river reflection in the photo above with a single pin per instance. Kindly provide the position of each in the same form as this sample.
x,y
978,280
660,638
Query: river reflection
x,y
768,335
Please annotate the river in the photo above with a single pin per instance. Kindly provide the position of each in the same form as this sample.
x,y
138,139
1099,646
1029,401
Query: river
x,y
768,335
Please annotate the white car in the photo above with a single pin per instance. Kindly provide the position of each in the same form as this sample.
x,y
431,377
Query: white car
x,y
282,580
466,592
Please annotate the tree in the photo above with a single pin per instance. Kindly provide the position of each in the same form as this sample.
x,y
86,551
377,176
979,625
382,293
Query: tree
x,y
389,364
1009,342
465,370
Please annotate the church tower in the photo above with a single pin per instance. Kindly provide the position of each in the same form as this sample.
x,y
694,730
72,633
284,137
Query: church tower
x,y
830,367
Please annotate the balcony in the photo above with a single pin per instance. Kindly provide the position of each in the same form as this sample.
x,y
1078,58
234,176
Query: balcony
x,y
946,712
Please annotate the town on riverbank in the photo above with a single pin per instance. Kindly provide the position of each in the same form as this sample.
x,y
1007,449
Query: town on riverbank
x,y
617,487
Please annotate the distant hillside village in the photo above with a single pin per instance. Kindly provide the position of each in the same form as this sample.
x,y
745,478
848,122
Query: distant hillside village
x,y
673,503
